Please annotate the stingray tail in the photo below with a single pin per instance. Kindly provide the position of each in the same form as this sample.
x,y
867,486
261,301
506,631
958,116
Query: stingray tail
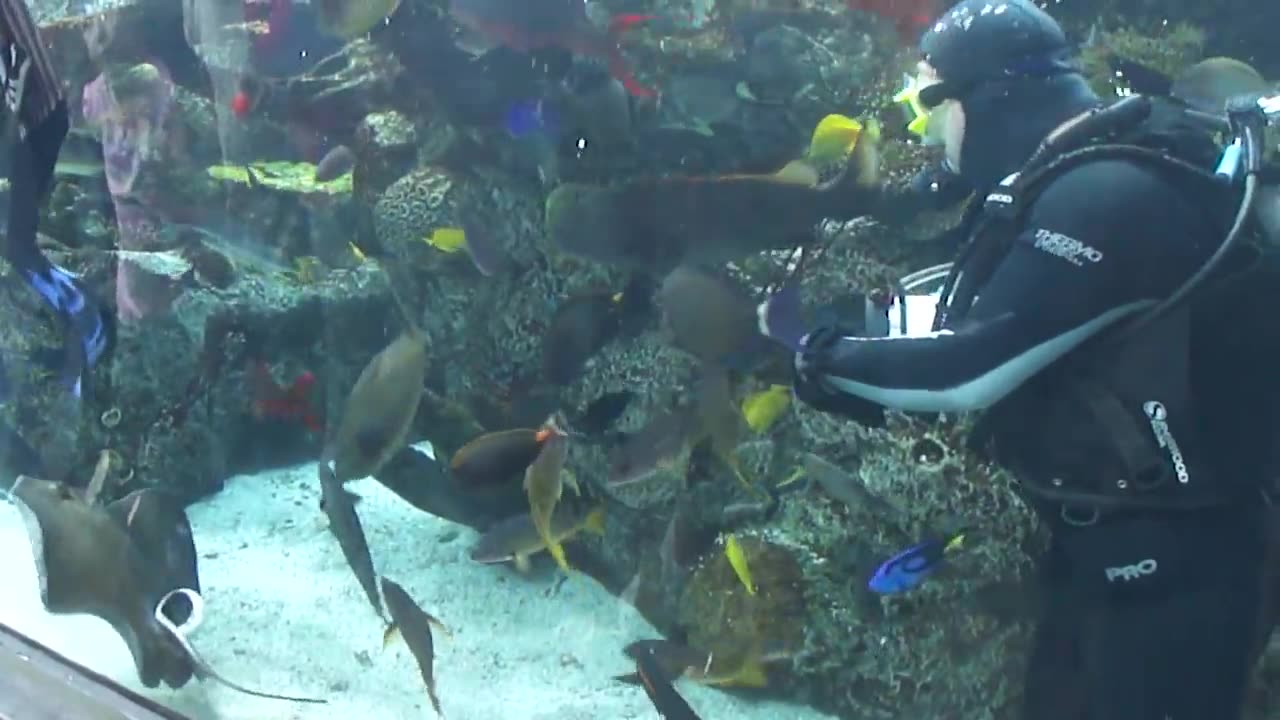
x,y
202,669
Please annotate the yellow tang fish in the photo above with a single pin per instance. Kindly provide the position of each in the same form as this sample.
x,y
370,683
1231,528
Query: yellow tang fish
x,y
762,409
357,252
834,140
738,561
448,239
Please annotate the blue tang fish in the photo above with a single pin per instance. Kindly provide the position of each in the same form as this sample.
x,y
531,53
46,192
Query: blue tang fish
x,y
909,568
528,117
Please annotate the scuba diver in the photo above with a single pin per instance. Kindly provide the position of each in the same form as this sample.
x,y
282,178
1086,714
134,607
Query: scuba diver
x,y
38,124
1121,350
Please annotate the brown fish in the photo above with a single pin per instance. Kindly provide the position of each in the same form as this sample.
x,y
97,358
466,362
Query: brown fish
x,y
543,484
414,625
708,219
380,409
676,660
709,316
657,685
494,458
849,489
516,538
339,505
580,327
660,443
335,163
720,421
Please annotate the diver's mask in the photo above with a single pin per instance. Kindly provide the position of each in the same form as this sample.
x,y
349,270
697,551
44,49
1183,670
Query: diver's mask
x,y
924,101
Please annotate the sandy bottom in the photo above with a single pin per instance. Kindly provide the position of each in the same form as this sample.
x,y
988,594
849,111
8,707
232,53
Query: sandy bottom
x,y
284,614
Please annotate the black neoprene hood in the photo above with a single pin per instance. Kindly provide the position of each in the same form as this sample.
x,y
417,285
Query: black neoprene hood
x,y
1012,69
979,40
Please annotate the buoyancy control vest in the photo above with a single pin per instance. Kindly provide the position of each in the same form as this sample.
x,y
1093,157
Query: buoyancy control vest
x,y
1116,426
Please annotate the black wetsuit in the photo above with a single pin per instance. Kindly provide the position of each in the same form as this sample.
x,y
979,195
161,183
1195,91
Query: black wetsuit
x,y
1150,614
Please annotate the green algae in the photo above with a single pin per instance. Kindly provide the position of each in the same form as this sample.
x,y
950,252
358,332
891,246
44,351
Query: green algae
x,y
289,177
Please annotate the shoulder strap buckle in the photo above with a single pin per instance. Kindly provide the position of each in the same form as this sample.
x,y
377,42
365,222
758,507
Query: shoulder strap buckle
x,y
1003,202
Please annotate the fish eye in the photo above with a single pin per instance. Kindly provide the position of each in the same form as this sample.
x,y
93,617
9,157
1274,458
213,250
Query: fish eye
x,y
575,144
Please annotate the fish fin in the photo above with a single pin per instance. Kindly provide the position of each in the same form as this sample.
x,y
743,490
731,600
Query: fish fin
x,y
956,542
865,160
732,461
522,562
750,675
435,701
557,552
389,635
568,478
798,172
437,625
595,521
796,476
99,480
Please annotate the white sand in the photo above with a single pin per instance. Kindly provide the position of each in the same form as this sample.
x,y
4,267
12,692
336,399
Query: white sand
x,y
286,615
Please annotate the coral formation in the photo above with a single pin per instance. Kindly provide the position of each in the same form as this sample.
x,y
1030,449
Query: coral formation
x,y
741,96
721,617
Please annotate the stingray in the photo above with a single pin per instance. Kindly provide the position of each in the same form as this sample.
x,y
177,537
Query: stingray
x,y
131,562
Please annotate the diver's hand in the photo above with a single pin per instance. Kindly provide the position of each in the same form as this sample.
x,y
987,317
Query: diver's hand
x,y
939,187
816,392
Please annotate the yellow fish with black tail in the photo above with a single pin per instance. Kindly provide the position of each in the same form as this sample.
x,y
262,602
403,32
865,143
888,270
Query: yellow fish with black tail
x,y
447,239
763,408
839,145
737,558
482,246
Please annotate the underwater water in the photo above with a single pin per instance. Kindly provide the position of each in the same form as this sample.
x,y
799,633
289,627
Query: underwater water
x,y
474,358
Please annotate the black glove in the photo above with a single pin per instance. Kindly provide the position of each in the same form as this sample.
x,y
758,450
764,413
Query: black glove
x,y
813,391
939,187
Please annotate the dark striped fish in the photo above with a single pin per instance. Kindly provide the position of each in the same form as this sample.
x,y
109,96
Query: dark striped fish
x,y
669,704
414,625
